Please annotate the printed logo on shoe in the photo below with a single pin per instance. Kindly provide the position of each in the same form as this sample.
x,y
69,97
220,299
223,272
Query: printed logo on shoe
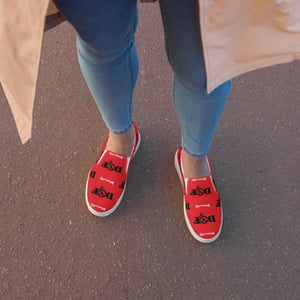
x,y
100,192
202,219
110,166
92,174
200,191
122,185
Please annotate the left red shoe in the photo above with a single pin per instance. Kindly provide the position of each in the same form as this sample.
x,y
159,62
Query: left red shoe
x,y
106,182
201,204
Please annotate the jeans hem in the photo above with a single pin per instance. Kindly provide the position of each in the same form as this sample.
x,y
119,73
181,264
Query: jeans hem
x,y
122,131
192,154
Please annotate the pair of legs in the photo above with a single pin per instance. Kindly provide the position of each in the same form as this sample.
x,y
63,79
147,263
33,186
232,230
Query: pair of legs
x,y
108,60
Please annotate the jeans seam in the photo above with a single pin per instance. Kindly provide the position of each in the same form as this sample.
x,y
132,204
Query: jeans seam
x,y
166,32
131,73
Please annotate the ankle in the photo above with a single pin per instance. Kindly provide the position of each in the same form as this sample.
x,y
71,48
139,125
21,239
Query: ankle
x,y
121,143
194,166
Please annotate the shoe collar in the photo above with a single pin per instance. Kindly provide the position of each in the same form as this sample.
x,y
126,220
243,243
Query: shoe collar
x,y
128,158
193,179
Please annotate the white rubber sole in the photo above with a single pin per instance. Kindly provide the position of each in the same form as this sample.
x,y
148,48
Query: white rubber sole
x,y
193,233
109,212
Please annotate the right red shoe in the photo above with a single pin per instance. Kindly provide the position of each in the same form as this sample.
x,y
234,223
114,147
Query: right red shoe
x,y
201,204
106,182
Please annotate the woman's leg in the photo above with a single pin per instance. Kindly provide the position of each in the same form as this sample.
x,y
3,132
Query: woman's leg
x,y
198,111
108,60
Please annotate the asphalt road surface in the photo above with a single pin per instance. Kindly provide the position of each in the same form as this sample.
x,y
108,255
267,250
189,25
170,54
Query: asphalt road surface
x,y
51,247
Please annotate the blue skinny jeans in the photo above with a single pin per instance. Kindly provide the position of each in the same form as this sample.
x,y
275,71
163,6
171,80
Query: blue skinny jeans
x,y
108,59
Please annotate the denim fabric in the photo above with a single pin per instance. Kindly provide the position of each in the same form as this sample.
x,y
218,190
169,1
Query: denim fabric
x,y
109,63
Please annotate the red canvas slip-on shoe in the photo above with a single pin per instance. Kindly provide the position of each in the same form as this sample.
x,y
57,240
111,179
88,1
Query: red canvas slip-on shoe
x,y
201,204
106,182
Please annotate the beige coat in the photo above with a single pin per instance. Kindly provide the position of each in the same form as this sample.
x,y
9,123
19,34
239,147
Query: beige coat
x,y
238,36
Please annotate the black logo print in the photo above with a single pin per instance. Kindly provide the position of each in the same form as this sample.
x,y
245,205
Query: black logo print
x,y
122,185
200,191
202,219
110,166
218,203
92,174
100,192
